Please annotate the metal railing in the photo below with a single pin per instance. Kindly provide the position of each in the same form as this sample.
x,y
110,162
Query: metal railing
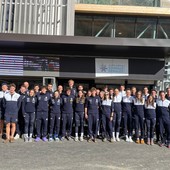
x,y
45,17
151,3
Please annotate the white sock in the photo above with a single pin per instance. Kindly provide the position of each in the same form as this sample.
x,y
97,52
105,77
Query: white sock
x,y
30,135
98,133
76,134
113,134
130,137
82,134
127,137
26,135
117,135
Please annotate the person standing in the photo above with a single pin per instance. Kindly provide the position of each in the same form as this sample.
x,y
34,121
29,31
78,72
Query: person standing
x,y
92,105
11,104
67,114
79,105
28,111
150,117
163,106
43,99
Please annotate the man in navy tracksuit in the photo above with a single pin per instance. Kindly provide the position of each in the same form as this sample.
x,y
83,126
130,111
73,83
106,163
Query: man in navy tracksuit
x,y
67,114
28,111
127,115
11,103
43,99
55,115
92,105
163,106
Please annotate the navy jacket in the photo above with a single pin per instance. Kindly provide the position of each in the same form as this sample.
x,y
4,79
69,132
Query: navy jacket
x,y
29,104
92,104
11,103
43,102
79,104
55,104
67,104
107,107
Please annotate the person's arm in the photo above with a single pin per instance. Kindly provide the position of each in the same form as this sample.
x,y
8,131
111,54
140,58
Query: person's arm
x,y
23,107
112,111
85,110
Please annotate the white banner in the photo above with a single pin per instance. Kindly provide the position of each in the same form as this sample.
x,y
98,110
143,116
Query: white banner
x,y
111,67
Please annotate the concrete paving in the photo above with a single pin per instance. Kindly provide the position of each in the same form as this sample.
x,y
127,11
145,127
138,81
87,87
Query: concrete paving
x,y
70,155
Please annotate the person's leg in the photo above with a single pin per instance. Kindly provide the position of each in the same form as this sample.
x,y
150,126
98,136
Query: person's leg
x,y
57,130
31,126
90,126
69,123
104,127
26,126
45,126
137,128
64,123
96,125
141,123
148,125
118,120
161,131
52,124
8,131
125,119
38,126
13,129
129,122
153,122
114,125
81,125
77,124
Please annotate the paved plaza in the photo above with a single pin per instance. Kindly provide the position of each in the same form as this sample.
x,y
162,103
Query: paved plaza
x,y
82,156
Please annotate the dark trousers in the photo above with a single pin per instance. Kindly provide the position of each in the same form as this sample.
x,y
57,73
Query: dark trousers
x,y
116,121
79,121
20,124
93,123
29,119
67,120
164,125
42,124
139,123
55,123
150,124
107,126
127,117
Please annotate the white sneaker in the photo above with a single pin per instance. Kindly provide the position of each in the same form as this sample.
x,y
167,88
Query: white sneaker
x,y
130,139
127,139
117,139
16,136
81,139
76,139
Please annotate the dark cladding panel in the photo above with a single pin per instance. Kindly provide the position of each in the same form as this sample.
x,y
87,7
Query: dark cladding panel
x,y
141,66
77,65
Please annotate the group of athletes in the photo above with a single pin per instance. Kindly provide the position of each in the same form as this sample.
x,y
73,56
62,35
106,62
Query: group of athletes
x,y
49,116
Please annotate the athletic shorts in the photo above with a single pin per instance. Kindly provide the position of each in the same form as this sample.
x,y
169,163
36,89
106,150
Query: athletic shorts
x,y
1,115
11,118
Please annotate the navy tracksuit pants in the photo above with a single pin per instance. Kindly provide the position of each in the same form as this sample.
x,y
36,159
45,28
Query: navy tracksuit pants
x,y
79,121
29,119
107,126
164,125
139,123
116,121
93,122
150,124
55,123
42,123
127,117
67,120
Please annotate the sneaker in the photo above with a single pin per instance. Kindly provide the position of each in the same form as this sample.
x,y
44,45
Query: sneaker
x,y
76,139
26,139
89,140
56,139
117,139
68,138
16,136
142,141
81,139
37,139
130,140
30,139
161,144
104,140
95,140
112,140
138,141
127,139
62,138
50,139
44,139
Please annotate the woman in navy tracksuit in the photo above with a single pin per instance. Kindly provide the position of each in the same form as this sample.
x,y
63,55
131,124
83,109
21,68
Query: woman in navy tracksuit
x,y
127,115
55,115
139,102
107,117
28,111
117,99
150,116
79,105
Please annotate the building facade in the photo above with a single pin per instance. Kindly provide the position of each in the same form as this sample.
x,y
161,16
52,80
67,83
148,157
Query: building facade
x,y
95,42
